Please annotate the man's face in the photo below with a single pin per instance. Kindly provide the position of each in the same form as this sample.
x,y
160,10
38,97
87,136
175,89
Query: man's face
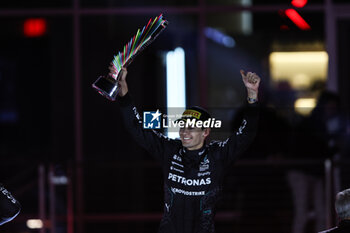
x,y
192,137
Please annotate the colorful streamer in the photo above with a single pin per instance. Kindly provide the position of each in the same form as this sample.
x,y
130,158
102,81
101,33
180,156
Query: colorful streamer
x,y
138,42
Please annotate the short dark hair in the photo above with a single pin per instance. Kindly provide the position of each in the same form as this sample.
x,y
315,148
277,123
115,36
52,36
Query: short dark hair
x,y
342,204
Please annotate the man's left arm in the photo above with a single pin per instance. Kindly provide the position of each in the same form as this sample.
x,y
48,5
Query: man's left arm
x,y
251,82
241,139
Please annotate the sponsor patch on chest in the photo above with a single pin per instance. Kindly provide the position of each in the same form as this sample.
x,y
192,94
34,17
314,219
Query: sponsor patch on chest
x,y
203,173
177,158
188,182
204,165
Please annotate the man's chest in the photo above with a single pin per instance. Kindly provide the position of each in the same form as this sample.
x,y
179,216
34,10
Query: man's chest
x,y
183,175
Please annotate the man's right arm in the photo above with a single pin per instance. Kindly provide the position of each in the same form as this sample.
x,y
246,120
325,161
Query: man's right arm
x,y
122,84
151,140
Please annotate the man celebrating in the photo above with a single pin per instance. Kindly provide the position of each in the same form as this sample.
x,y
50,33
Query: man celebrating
x,y
342,207
193,170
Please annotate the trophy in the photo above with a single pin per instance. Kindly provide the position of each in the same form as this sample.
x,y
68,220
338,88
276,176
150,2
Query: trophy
x,y
108,85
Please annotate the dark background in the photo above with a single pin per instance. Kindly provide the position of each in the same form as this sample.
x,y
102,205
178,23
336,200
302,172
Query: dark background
x,y
51,117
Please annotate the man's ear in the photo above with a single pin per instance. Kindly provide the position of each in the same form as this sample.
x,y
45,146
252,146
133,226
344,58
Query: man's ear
x,y
206,132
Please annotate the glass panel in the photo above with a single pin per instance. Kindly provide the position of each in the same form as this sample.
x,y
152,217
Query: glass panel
x,y
29,67
342,177
36,107
343,62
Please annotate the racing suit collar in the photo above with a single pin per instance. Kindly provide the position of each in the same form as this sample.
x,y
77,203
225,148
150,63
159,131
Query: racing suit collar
x,y
199,152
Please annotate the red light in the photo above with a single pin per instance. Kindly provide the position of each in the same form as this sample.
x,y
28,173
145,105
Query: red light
x,y
284,27
299,3
297,19
34,27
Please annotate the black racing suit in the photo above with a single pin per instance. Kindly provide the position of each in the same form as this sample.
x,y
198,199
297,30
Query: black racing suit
x,y
192,179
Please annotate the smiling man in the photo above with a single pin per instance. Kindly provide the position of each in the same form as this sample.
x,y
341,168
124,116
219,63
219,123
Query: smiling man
x,y
193,137
193,169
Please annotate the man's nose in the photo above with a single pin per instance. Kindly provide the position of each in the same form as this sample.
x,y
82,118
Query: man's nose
x,y
184,131
187,130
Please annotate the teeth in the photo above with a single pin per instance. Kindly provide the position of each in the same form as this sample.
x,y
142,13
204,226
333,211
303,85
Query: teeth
x,y
186,138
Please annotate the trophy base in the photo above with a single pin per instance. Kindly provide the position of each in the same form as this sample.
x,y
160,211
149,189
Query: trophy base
x,y
107,87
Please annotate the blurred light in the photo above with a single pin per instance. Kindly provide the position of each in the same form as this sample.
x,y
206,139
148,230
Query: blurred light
x,y
34,27
297,19
59,180
299,3
304,106
247,18
246,2
175,82
300,69
302,56
35,224
219,37
284,27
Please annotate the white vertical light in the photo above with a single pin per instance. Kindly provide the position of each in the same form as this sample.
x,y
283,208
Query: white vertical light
x,y
247,18
175,84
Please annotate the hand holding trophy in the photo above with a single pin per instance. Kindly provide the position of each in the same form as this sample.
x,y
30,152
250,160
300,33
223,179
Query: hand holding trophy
x,y
108,85
122,85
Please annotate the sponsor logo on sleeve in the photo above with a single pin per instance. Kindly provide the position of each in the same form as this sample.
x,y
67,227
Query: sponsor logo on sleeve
x,y
241,128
